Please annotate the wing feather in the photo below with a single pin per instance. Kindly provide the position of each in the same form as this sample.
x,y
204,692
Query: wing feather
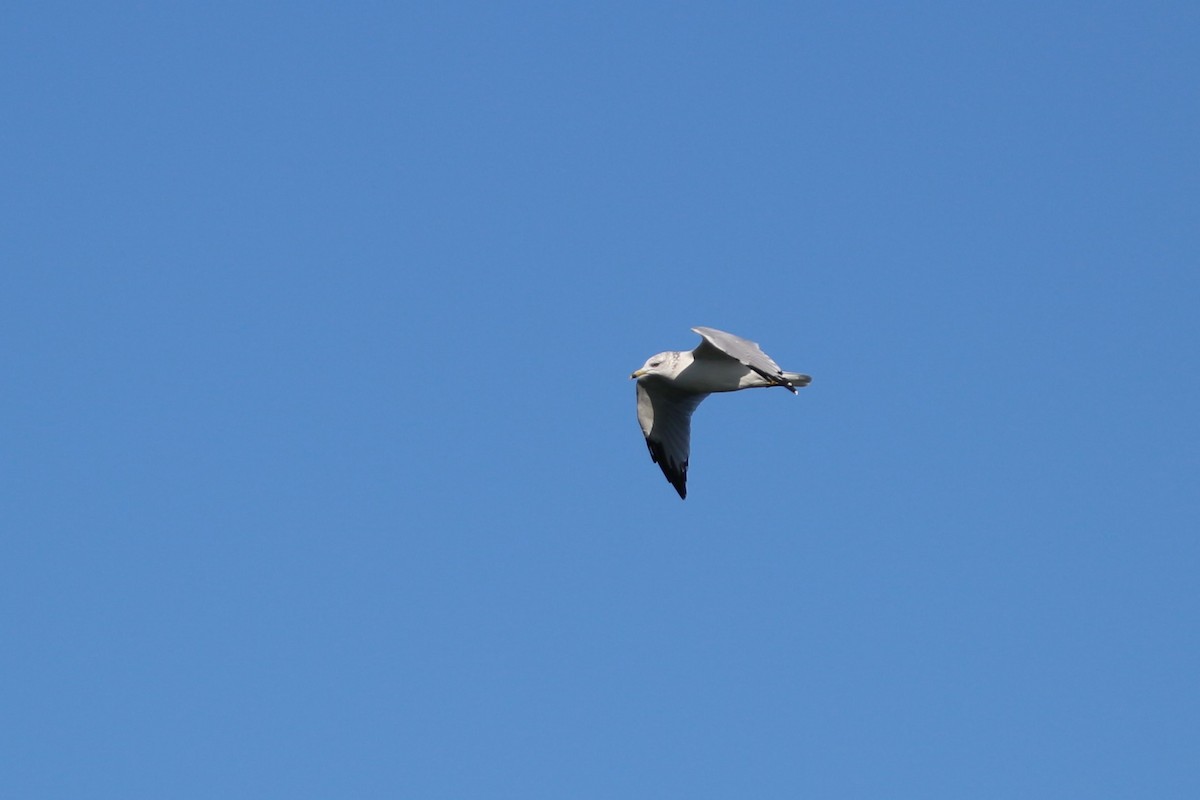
x,y
719,344
665,415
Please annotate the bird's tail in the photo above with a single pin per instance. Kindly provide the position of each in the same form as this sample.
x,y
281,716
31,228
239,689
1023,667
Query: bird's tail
x,y
797,379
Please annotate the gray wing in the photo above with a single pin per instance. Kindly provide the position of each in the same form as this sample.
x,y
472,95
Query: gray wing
x,y
719,344
665,415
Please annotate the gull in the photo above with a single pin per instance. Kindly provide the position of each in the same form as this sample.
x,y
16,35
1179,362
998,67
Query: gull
x,y
670,385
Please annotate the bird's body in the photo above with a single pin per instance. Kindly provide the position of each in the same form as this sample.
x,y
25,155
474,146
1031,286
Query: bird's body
x,y
671,384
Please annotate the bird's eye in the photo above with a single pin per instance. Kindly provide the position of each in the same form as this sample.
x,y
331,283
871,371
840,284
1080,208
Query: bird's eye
x,y
655,363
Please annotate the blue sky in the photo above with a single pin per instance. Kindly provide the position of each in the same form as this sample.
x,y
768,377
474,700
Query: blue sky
x,y
321,471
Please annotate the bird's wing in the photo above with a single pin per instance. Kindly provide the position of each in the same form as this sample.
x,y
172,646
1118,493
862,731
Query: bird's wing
x,y
719,344
665,414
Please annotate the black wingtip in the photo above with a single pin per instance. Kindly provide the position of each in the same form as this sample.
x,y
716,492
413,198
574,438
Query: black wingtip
x,y
676,476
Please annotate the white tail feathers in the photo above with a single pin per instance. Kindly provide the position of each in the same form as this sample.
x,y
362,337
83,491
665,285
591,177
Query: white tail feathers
x,y
797,379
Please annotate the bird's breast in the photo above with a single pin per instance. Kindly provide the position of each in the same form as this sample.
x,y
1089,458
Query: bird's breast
x,y
704,376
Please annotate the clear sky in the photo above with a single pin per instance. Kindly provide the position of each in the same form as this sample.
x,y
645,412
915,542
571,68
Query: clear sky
x,y
321,472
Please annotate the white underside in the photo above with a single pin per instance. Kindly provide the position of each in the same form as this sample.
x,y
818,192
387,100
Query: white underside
x,y
703,376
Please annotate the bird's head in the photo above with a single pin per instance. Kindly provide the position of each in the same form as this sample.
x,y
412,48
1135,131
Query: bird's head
x,y
661,364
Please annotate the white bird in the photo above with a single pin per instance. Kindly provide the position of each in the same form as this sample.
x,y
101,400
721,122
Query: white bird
x,y
670,385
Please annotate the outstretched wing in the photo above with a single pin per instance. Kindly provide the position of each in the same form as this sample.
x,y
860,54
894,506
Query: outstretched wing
x,y
719,344
665,414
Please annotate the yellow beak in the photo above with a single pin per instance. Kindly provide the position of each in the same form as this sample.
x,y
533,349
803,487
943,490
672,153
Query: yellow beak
x,y
637,374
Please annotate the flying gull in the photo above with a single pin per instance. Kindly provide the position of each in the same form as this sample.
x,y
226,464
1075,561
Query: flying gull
x,y
670,385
